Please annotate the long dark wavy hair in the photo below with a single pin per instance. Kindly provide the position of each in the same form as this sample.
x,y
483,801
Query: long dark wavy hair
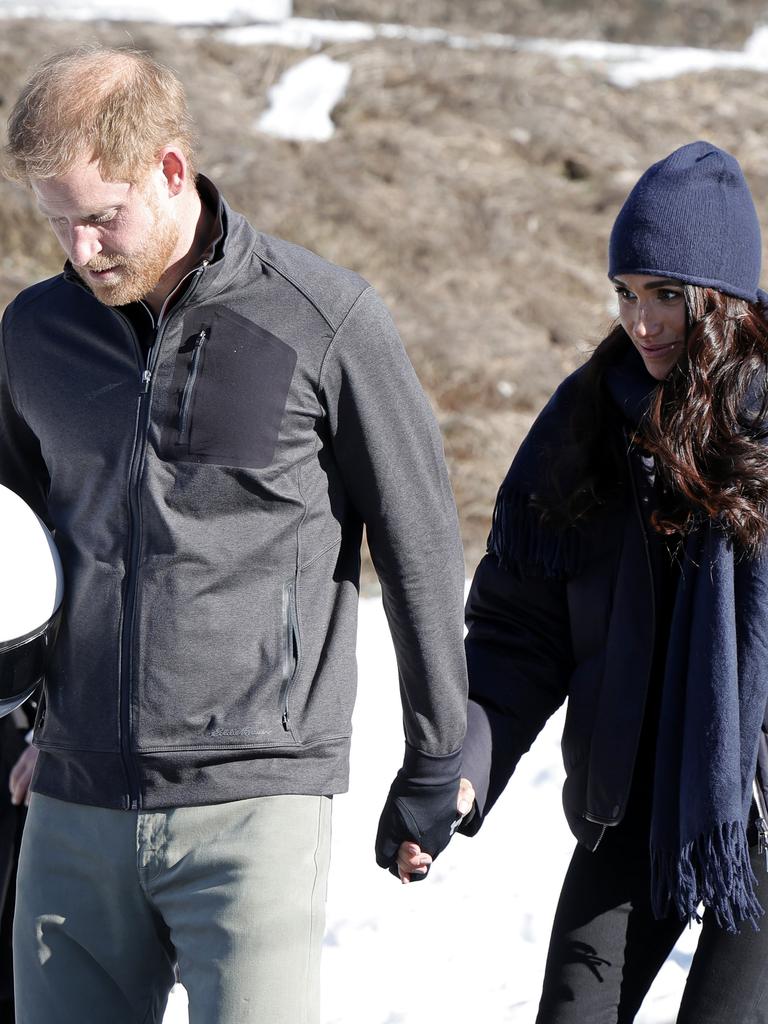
x,y
706,428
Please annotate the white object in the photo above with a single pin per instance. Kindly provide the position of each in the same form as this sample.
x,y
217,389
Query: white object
x,y
31,593
31,577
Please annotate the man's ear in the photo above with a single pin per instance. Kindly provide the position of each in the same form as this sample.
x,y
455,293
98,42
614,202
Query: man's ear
x,y
175,170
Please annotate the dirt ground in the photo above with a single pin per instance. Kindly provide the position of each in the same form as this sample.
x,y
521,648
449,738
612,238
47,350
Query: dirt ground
x,y
474,189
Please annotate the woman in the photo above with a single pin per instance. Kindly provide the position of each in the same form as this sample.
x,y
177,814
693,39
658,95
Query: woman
x,y
627,572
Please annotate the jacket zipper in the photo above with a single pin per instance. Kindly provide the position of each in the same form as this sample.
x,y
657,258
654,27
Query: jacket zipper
x,y
135,473
189,386
761,824
603,830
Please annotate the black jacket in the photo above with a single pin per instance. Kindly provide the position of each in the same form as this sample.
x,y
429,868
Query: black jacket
x,y
535,640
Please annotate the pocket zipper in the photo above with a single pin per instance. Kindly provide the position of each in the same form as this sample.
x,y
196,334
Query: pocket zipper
x,y
186,397
290,650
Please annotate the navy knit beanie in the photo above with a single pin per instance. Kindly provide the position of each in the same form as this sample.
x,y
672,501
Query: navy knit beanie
x,y
691,217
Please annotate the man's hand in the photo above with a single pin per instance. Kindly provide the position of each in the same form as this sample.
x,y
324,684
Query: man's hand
x,y
420,806
21,776
411,859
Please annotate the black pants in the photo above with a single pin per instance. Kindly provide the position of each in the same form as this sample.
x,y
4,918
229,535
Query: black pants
x,y
606,948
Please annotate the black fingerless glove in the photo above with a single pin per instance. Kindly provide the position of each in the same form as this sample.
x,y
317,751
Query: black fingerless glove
x,y
420,808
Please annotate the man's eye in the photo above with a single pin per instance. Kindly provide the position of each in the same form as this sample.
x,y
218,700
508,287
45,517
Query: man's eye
x,y
104,218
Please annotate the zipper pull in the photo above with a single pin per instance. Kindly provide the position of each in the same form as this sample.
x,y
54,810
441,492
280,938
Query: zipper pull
x,y
760,824
146,377
285,719
762,839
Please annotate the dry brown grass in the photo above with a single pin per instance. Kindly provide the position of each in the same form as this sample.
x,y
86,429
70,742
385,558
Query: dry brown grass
x,y
475,189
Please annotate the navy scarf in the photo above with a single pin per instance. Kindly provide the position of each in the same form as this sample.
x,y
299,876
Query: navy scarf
x,y
715,685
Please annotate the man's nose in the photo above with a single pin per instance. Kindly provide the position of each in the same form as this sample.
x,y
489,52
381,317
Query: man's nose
x,y
83,244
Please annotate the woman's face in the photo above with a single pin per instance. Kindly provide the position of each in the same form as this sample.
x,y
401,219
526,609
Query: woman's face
x,y
652,312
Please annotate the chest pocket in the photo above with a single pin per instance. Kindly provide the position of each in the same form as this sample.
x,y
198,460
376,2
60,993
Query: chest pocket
x,y
229,391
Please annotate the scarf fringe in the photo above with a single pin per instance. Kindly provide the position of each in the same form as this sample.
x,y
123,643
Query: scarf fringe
x,y
519,540
714,870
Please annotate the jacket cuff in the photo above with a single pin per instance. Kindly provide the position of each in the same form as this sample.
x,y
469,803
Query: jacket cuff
x,y
430,769
476,764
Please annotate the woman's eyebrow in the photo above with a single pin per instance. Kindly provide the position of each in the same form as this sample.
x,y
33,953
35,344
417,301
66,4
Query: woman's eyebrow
x,y
652,285
664,283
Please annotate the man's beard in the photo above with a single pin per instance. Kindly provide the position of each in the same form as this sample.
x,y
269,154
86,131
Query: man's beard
x,y
139,273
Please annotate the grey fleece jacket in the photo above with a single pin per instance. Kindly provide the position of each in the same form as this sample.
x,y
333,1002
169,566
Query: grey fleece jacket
x,y
208,502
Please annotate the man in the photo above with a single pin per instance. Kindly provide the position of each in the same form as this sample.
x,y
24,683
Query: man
x,y
206,417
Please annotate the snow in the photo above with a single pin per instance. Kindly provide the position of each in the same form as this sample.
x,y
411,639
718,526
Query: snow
x,y
268,23
311,33
171,12
627,65
300,33
469,942
624,64
302,101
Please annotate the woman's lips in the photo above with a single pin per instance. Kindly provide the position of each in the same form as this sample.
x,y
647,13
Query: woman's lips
x,y
657,350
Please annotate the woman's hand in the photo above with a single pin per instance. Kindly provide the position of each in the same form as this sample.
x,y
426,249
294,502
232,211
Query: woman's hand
x,y
411,860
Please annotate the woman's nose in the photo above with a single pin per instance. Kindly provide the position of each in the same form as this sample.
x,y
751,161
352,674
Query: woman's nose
x,y
645,325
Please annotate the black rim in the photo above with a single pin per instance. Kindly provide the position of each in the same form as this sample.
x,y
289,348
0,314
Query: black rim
x,y
19,641
23,661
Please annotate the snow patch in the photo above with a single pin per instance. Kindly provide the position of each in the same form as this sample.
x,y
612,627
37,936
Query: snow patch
x,y
171,12
757,44
310,33
626,65
302,101
300,33
268,23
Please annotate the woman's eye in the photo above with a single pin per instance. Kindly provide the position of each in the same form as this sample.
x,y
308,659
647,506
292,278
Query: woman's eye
x,y
668,295
625,294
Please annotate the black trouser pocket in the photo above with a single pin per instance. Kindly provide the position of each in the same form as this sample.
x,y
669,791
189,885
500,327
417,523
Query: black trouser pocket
x,y
229,390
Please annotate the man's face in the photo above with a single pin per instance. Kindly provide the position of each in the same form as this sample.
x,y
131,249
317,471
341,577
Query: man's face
x,y
119,237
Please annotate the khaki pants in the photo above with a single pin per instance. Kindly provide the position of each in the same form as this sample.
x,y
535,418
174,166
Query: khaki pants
x,y
110,901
